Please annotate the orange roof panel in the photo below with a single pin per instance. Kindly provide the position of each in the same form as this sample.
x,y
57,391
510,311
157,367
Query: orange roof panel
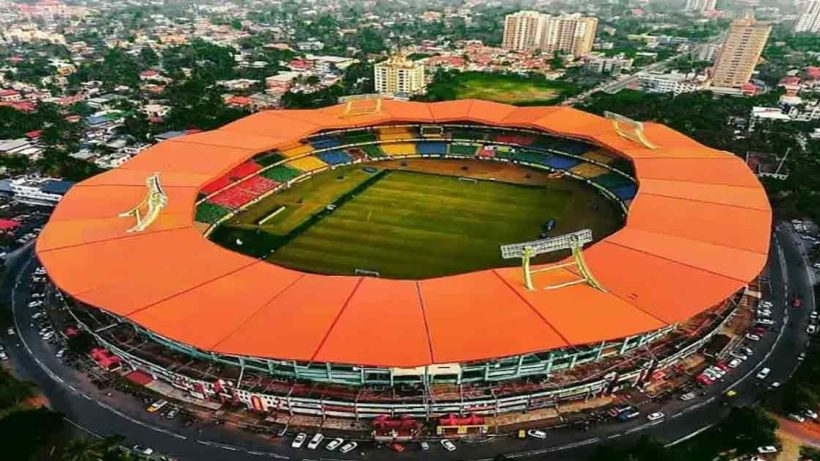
x,y
727,170
182,157
743,197
283,328
730,226
401,337
468,314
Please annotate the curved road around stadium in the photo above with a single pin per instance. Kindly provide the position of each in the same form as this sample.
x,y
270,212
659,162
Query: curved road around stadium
x,y
93,411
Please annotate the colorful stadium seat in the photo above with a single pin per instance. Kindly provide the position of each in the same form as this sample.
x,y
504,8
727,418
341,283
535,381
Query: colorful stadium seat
x,y
234,198
399,148
465,150
373,151
297,150
215,185
269,158
515,138
258,185
626,192
358,137
309,163
325,142
599,156
281,173
612,180
571,147
334,157
589,170
531,157
396,133
243,170
431,148
561,163
210,213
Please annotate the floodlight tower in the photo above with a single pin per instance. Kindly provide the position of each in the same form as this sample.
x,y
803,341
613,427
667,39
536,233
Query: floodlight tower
x,y
573,241
154,201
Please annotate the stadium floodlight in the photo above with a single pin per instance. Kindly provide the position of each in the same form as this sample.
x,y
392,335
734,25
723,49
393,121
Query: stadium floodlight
x,y
155,200
633,129
573,241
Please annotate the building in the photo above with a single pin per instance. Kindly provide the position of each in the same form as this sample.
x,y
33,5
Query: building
x,y
809,19
530,31
608,65
319,344
740,52
700,6
673,82
399,75
522,30
39,191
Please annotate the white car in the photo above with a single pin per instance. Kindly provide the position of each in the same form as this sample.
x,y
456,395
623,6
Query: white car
x,y
349,446
3,356
796,417
48,335
764,313
10,331
810,414
734,363
811,329
35,304
334,444
37,315
687,396
60,353
37,295
813,315
767,449
766,304
655,416
537,434
299,440
763,373
315,441
143,450
765,322
752,337
738,355
448,445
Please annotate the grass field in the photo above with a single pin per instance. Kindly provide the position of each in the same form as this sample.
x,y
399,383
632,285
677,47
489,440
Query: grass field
x,y
414,225
506,88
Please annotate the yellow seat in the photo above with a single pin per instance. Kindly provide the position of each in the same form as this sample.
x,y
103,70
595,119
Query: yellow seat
x,y
309,163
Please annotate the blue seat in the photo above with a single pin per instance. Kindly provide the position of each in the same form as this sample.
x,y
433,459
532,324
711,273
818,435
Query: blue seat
x,y
571,147
334,157
325,142
626,192
431,148
561,163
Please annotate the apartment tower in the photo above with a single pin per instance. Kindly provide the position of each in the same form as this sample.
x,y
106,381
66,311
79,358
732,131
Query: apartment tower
x,y
530,30
740,52
399,75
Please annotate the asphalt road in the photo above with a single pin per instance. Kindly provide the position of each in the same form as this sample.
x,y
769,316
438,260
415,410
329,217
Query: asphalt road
x,y
94,411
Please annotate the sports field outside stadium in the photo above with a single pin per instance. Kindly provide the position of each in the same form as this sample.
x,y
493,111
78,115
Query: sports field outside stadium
x,y
414,220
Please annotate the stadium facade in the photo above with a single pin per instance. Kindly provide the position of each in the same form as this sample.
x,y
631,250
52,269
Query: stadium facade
x,y
159,293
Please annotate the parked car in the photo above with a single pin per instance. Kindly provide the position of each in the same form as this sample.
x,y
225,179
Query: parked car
x,y
762,374
156,406
738,355
767,449
299,440
537,434
734,363
172,413
10,331
811,329
448,445
424,446
315,441
655,416
752,337
687,396
765,322
796,417
3,356
333,444
143,450
349,446
813,315
627,415
810,414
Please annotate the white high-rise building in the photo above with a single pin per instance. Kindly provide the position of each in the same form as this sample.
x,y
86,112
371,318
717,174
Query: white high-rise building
x,y
809,19
700,6
530,30
399,75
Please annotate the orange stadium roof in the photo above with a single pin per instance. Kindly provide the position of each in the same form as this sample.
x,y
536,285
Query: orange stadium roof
x,y
697,231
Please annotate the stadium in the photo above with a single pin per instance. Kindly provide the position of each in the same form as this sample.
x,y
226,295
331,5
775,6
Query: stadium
x,y
346,261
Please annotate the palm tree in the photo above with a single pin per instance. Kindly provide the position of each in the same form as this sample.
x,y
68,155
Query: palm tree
x,y
84,449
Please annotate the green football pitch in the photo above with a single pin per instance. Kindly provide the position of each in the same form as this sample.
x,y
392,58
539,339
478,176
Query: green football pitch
x,y
413,225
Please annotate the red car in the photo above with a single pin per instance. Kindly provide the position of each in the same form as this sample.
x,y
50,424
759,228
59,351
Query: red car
x,y
797,302
760,330
722,366
703,379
